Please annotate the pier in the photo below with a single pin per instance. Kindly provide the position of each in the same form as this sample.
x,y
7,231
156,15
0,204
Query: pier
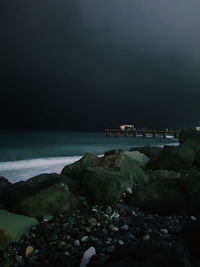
x,y
142,133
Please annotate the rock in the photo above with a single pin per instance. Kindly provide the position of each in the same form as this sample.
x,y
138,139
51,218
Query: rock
x,y
151,152
125,165
146,237
88,254
76,169
141,159
163,197
190,138
92,221
163,174
164,231
45,194
121,242
125,227
173,158
191,188
4,188
12,227
76,243
104,185
110,249
114,228
29,250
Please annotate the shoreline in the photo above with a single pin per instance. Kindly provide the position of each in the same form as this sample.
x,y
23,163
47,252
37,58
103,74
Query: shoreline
x,y
128,208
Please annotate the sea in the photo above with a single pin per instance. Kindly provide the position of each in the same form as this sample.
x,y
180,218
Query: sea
x,y
27,154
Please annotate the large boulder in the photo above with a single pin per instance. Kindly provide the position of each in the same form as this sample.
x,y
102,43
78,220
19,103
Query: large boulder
x,y
174,158
4,187
156,175
12,227
141,159
76,169
125,165
104,185
150,151
43,194
162,196
191,188
190,138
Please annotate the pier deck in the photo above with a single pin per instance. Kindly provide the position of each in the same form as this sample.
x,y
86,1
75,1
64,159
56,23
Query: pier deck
x,y
142,133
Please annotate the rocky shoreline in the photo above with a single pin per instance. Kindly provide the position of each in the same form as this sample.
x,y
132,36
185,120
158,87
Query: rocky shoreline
x,y
128,208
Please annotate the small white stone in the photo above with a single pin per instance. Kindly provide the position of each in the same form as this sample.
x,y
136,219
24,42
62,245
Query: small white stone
x,y
84,238
129,190
125,227
114,229
121,243
77,243
164,231
193,218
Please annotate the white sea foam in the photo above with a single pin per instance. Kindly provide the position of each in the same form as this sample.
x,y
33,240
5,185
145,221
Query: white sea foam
x,y
24,169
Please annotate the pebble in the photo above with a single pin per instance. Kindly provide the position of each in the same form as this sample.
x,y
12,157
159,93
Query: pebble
x,y
146,237
109,210
121,243
85,238
164,231
193,218
77,243
129,190
125,227
110,249
114,228
87,229
92,221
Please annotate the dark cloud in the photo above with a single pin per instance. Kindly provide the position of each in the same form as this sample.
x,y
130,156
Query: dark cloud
x,y
89,64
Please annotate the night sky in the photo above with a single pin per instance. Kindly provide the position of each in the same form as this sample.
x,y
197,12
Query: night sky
x,y
94,64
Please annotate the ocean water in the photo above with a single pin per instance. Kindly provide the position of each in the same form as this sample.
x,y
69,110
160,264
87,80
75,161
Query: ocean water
x,y
26,154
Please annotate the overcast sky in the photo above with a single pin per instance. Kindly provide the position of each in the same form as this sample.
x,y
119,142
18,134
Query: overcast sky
x,y
91,64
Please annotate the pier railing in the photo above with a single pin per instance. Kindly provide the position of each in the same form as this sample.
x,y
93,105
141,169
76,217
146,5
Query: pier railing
x,y
142,133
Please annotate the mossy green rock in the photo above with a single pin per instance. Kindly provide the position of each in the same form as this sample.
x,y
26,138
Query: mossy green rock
x,y
4,188
163,197
76,169
104,185
45,194
150,151
125,165
13,226
190,138
191,188
141,159
174,158
163,174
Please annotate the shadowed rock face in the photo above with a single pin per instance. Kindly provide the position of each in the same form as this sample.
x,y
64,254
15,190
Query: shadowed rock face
x,y
75,171
169,196
190,139
4,187
149,151
104,185
43,194
174,158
